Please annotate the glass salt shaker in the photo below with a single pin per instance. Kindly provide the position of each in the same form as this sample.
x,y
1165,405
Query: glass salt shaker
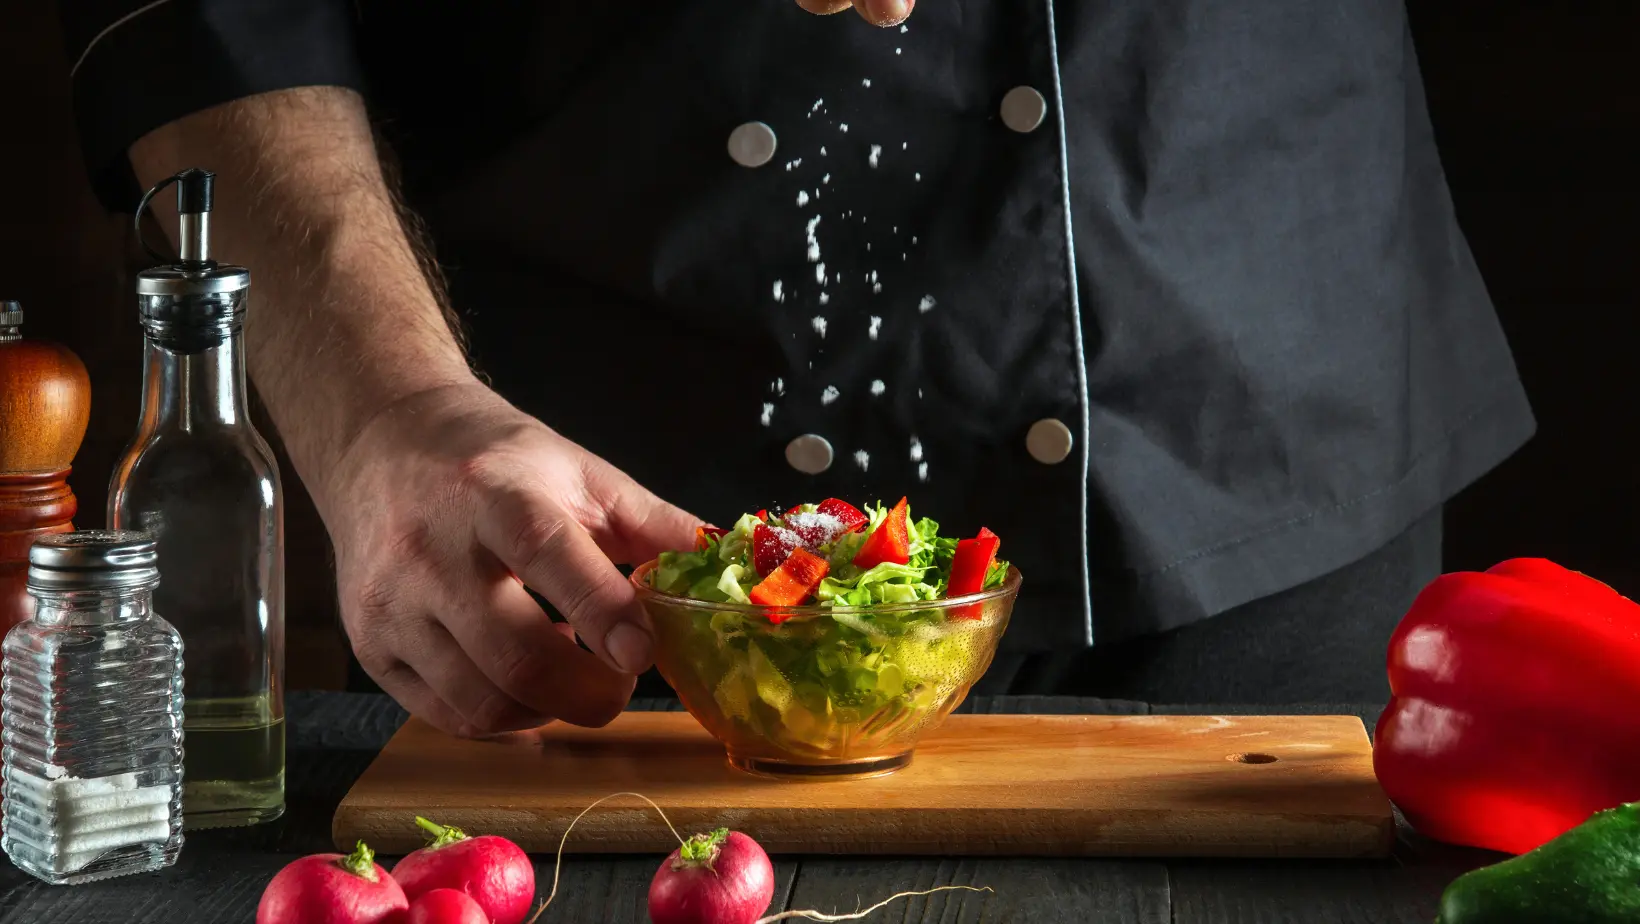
x,y
199,477
93,715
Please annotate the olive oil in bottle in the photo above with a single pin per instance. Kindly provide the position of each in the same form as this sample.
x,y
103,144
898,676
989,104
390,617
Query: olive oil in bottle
x,y
200,478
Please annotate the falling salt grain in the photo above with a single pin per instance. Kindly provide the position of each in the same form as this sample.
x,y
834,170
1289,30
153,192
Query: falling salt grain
x,y
779,291
873,276
817,104
897,51
876,325
927,304
866,82
820,274
876,155
904,29
826,178
919,178
913,239
916,444
802,198
876,288
824,298
877,386
814,241
823,151
844,127
819,325
768,413
829,395
862,459
922,471
904,145
868,247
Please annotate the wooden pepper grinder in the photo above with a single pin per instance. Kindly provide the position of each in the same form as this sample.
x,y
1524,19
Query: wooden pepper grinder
x,y
45,404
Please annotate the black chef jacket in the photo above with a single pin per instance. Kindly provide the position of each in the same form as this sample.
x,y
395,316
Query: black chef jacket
x,y
1168,293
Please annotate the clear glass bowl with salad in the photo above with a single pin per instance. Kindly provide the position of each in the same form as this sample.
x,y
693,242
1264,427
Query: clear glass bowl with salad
x,y
826,640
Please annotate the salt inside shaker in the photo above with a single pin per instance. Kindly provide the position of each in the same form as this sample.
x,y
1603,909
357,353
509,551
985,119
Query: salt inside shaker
x,y
93,715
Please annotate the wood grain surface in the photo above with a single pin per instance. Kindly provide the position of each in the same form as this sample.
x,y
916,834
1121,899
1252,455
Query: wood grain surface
x,y
1037,785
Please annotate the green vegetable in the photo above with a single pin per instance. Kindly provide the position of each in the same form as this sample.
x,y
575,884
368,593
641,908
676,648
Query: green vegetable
x,y
1589,875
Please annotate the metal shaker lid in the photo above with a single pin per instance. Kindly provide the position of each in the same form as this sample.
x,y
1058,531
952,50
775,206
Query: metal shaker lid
x,y
11,312
93,560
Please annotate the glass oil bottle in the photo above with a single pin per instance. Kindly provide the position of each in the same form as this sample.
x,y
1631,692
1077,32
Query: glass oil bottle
x,y
200,478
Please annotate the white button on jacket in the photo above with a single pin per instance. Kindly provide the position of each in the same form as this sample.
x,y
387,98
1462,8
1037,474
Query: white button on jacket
x,y
810,454
1049,441
752,144
1023,109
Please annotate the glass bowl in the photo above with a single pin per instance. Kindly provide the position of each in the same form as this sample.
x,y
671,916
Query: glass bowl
x,y
829,691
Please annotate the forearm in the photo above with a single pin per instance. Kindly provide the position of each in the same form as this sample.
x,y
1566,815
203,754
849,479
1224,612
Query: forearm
x,y
343,322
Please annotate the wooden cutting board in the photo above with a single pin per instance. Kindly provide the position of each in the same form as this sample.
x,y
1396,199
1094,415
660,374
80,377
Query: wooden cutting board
x,y
1271,786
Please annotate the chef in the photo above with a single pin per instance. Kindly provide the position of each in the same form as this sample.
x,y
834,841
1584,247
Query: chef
x,y
1168,293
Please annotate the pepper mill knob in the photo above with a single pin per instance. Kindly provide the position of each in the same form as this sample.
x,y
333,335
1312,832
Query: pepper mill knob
x,y
45,404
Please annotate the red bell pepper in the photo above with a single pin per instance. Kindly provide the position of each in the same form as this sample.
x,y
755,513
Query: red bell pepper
x,y
770,546
791,583
1515,712
762,515
846,513
969,566
891,542
705,534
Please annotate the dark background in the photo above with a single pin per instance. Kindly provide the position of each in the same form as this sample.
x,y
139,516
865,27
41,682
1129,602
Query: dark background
x,y
1535,107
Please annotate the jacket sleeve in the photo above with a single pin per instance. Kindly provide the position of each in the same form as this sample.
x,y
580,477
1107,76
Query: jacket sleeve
x,y
136,65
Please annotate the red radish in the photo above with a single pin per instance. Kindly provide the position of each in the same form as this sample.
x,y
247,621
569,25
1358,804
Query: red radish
x,y
494,871
328,888
445,906
718,878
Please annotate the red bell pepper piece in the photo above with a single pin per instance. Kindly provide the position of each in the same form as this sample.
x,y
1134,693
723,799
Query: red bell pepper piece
x,y
770,546
791,583
891,542
705,534
762,515
1515,712
970,564
846,513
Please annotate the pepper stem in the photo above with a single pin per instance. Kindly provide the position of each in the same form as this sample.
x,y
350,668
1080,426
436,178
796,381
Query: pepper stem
x,y
443,835
361,862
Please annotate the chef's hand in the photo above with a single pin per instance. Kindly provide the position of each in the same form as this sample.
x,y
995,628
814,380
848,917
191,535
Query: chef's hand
x,y
433,509
876,12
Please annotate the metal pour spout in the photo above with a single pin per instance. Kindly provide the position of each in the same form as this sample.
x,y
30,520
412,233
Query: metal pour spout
x,y
194,192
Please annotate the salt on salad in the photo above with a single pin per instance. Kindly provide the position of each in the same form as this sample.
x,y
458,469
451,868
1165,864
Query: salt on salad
x,y
830,554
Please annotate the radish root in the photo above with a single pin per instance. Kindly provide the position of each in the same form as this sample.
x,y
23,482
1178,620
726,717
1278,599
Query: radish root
x,y
857,915
558,866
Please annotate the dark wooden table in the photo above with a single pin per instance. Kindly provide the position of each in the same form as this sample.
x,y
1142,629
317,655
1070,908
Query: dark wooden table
x,y
333,737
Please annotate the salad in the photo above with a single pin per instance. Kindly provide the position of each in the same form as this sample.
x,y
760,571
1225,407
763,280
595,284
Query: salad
x,y
872,664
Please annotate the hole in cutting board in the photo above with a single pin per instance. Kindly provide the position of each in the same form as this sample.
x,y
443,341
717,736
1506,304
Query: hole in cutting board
x,y
1253,758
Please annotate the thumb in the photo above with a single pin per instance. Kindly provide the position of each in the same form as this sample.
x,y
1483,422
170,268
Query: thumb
x,y
876,12
885,12
636,525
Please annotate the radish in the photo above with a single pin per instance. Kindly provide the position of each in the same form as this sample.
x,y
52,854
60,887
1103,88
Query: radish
x,y
445,906
328,888
492,870
718,878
